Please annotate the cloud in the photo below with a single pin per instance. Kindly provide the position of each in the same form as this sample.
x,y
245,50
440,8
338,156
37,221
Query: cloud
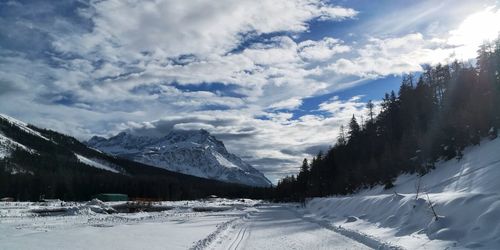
x,y
291,103
335,106
321,50
314,150
134,43
208,27
397,55
405,54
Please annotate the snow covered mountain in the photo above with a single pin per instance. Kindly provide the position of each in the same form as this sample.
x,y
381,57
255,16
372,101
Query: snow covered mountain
x,y
189,152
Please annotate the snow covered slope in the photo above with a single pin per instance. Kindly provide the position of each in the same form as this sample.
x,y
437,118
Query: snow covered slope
x,y
465,195
189,152
8,145
22,125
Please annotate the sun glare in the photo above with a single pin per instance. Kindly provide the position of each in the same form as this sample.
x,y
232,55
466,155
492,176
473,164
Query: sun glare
x,y
474,30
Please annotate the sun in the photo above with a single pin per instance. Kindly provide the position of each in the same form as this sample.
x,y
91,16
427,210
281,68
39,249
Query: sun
x,y
475,30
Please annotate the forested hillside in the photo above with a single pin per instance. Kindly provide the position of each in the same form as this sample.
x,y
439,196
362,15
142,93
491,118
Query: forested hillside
x,y
434,116
44,163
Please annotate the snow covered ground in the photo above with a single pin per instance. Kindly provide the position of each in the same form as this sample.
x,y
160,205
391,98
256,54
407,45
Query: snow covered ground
x,y
218,224
281,227
465,195
80,227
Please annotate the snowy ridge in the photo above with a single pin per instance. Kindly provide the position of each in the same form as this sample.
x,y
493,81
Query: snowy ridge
x,y
96,163
22,125
8,145
464,194
189,152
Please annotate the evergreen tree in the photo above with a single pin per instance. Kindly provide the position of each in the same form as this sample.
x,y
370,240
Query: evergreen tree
x,y
370,106
341,139
354,128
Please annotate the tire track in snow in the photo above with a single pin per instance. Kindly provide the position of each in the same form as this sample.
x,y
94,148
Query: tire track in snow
x,y
242,233
242,237
207,241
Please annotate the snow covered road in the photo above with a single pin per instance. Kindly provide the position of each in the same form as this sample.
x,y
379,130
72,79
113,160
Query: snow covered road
x,y
280,227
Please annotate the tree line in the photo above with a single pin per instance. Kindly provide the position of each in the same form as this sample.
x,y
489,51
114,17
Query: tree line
x,y
434,116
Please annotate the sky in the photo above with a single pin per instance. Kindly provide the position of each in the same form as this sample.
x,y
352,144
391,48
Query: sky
x,y
273,79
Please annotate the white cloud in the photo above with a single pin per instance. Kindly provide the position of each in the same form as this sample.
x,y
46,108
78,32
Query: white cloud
x,y
145,37
381,57
208,27
404,54
335,106
321,50
291,103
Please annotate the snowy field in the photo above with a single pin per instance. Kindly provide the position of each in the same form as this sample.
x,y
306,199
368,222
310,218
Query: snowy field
x,y
212,224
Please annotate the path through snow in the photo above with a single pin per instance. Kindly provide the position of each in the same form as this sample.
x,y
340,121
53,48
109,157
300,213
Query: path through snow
x,y
280,227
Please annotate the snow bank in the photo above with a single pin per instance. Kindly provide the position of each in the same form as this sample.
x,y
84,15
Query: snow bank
x,y
97,207
92,207
464,194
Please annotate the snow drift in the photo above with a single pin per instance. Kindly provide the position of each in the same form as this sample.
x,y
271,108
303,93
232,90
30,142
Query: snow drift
x,y
464,194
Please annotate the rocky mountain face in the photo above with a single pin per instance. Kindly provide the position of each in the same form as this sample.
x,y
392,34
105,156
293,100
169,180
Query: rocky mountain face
x,y
189,152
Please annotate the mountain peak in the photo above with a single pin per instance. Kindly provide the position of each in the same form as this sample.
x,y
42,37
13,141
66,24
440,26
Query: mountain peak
x,y
195,137
193,152
96,139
